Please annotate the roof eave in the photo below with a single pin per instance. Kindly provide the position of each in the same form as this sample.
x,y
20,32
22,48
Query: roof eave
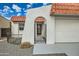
x,y
73,15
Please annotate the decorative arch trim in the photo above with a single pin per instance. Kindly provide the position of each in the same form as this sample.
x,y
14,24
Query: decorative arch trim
x,y
40,19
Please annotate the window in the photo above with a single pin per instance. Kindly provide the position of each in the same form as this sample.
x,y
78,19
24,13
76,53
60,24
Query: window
x,y
21,26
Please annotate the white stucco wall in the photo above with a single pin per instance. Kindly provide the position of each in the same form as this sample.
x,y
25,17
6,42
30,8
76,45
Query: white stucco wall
x,y
14,30
32,14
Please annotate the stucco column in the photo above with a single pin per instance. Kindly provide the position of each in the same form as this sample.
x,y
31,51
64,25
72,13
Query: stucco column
x,y
35,31
51,30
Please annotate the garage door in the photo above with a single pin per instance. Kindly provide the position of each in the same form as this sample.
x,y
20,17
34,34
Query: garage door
x,y
67,29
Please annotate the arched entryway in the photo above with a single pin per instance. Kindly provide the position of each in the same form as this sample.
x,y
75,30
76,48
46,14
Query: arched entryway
x,y
40,30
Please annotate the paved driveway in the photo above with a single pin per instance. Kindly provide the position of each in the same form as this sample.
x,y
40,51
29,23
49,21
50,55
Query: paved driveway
x,y
71,49
7,49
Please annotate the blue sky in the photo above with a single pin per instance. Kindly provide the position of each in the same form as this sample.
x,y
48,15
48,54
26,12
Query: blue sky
x,y
8,10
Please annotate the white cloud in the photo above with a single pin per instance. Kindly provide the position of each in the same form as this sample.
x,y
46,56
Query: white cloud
x,y
19,14
6,8
5,13
44,4
0,13
0,10
29,5
16,7
24,10
8,18
11,11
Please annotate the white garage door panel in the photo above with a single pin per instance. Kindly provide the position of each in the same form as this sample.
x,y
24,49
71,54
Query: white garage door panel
x,y
67,29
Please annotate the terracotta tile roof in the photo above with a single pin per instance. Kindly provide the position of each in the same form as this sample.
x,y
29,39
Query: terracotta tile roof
x,y
65,8
40,20
18,18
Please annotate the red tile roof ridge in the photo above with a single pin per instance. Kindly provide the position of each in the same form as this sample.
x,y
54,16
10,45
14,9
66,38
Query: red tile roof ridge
x,y
18,18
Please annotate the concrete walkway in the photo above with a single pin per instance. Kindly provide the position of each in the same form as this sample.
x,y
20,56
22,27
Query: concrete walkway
x,y
40,40
71,49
